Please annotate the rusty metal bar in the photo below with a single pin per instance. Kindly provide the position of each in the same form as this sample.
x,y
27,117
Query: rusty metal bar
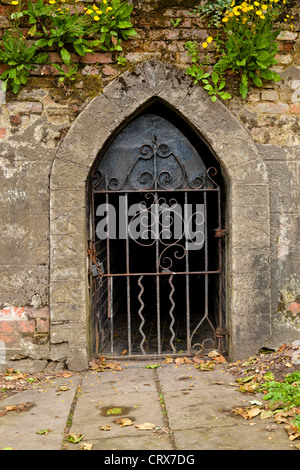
x,y
140,314
128,281
171,314
110,293
187,284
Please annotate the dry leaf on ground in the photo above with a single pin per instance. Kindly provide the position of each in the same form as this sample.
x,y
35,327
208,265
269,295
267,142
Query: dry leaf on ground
x,y
86,446
124,422
104,427
145,426
247,413
18,408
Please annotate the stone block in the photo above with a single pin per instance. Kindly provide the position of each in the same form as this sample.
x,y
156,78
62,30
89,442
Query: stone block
x,y
269,95
59,351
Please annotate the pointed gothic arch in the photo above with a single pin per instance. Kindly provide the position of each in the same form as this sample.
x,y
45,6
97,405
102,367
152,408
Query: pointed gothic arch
x,y
248,241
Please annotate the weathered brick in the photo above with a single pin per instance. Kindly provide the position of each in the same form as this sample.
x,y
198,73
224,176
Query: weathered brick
x,y
10,340
2,132
97,58
4,23
7,326
25,326
25,107
273,108
295,108
269,95
294,307
42,325
109,71
42,312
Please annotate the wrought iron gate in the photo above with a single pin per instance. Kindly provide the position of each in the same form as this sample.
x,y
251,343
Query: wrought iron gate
x,y
156,246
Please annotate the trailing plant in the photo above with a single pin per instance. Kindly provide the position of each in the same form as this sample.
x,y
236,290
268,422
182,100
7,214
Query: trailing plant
x,y
286,392
64,27
246,41
111,19
213,82
20,57
213,11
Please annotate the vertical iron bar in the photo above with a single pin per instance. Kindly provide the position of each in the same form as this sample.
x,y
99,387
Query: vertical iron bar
x,y
157,271
187,278
171,313
140,314
128,279
111,316
206,255
220,275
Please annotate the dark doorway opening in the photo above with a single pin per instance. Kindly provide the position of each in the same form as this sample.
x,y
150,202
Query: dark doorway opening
x,y
161,289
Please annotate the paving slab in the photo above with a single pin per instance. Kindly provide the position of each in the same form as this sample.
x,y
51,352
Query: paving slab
x,y
47,408
131,392
190,409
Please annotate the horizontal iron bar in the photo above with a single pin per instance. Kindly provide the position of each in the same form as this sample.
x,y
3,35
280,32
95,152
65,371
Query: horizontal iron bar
x,y
167,273
135,191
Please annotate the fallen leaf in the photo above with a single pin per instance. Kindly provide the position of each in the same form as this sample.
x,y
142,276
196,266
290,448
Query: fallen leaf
x,y
8,448
113,366
65,374
179,360
266,414
213,353
210,365
62,389
86,446
247,413
114,411
198,360
124,422
75,438
104,427
145,426
246,379
18,408
124,352
44,432
219,359
168,360
152,366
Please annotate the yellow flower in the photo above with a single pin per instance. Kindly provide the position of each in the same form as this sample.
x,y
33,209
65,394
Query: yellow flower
x,y
264,7
108,9
89,11
225,20
52,2
257,4
15,2
96,18
258,12
204,45
209,40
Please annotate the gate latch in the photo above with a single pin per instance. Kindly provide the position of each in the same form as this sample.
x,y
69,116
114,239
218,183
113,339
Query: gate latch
x,y
220,232
221,332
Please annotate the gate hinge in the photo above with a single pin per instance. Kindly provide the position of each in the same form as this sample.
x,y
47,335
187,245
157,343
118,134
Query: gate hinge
x,y
220,232
221,332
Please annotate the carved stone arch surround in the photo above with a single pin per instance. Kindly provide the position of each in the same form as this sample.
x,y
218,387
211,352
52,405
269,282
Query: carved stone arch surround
x,y
248,221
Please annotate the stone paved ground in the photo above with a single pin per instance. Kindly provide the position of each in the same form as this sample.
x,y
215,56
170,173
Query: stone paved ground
x,y
190,410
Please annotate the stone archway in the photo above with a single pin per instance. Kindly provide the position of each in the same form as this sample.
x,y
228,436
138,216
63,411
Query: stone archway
x,y
248,270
